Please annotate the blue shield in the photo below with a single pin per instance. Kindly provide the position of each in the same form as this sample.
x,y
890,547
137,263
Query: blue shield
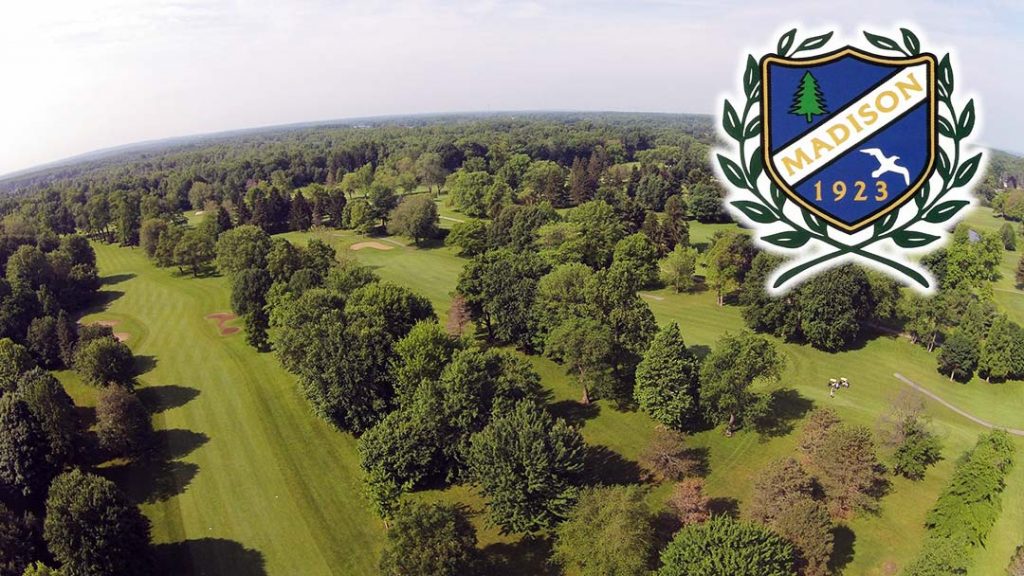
x,y
850,136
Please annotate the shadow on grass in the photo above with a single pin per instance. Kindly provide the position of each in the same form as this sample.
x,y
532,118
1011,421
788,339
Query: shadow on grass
x,y
724,506
100,302
603,466
159,474
214,556
159,399
699,351
144,363
116,279
842,548
787,406
574,413
528,556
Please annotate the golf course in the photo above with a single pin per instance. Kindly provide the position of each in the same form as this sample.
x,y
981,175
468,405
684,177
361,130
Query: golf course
x,y
249,482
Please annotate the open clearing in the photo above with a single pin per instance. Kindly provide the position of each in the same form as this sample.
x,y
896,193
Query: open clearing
x,y
252,476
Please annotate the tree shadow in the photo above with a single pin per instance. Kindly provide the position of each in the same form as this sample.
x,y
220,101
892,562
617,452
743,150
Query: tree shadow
x,y
116,279
603,466
159,474
148,481
177,443
159,399
700,461
666,524
215,556
724,506
100,301
699,351
574,413
787,406
144,363
527,556
842,548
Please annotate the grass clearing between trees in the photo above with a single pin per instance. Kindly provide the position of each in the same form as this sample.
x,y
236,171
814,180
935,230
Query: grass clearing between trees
x,y
249,468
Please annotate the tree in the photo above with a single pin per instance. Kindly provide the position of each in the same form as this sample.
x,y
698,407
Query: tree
x,y
499,288
382,199
832,307
919,449
819,423
667,458
360,216
728,260
415,217
242,248
436,539
17,542
999,352
54,410
91,528
680,266
14,361
458,316
706,203
688,502
1020,272
420,356
726,546
28,267
729,371
584,345
600,229
777,488
652,190
848,469
959,356
467,192
609,531
300,215
430,169
42,341
1009,237
248,299
39,569
527,465
122,422
470,237
25,468
640,257
806,524
166,245
808,100
667,380
397,307
105,361
195,250
150,233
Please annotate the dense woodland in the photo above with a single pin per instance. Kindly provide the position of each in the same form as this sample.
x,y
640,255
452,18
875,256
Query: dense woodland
x,y
568,218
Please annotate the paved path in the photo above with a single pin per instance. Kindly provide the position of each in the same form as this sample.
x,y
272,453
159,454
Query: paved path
x,y
970,417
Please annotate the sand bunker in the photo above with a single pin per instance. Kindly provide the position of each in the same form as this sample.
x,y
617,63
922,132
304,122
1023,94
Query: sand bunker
x,y
374,245
122,336
222,319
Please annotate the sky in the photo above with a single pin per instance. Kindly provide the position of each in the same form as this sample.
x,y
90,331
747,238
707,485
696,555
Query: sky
x,y
82,75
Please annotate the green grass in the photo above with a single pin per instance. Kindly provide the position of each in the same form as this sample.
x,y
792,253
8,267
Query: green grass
x,y
248,467
273,478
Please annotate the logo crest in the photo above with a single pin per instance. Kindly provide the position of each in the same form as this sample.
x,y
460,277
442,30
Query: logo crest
x,y
831,146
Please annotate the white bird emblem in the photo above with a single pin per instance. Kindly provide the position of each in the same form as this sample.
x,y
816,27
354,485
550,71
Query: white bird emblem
x,y
886,164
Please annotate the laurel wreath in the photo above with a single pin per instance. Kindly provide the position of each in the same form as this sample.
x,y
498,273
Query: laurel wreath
x,y
744,172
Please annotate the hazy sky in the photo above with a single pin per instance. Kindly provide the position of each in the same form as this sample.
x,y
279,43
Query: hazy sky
x,y
87,74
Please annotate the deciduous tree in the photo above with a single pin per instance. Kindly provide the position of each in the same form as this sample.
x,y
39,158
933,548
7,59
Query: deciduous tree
x,y
727,375
436,539
609,531
122,422
415,217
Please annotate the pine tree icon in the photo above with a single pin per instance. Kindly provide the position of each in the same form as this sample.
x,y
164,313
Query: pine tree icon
x,y
808,100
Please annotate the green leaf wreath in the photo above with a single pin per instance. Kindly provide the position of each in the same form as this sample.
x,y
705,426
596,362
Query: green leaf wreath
x,y
744,171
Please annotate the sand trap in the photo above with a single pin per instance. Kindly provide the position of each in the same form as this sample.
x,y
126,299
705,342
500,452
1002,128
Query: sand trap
x,y
222,319
122,336
374,245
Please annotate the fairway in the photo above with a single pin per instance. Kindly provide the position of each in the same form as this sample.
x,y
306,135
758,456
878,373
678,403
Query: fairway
x,y
251,482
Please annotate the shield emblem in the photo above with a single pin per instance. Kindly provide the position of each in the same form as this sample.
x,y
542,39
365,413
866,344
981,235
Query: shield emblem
x,y
849,136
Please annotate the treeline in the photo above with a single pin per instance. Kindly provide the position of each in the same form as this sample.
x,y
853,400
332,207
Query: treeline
x,y
966,509
53,511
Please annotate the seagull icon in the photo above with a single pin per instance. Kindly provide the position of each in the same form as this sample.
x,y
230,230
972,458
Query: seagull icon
x,y
886,164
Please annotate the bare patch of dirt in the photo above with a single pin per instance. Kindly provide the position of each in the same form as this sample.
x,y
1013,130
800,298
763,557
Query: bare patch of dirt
x,y
374,245
222,319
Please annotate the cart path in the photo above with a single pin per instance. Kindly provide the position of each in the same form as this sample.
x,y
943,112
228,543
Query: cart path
x,y
969,416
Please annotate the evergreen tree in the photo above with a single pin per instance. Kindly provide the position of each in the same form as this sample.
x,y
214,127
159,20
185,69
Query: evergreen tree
x,y
667,380
300,217
808,100
527,465
25,468
725,546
